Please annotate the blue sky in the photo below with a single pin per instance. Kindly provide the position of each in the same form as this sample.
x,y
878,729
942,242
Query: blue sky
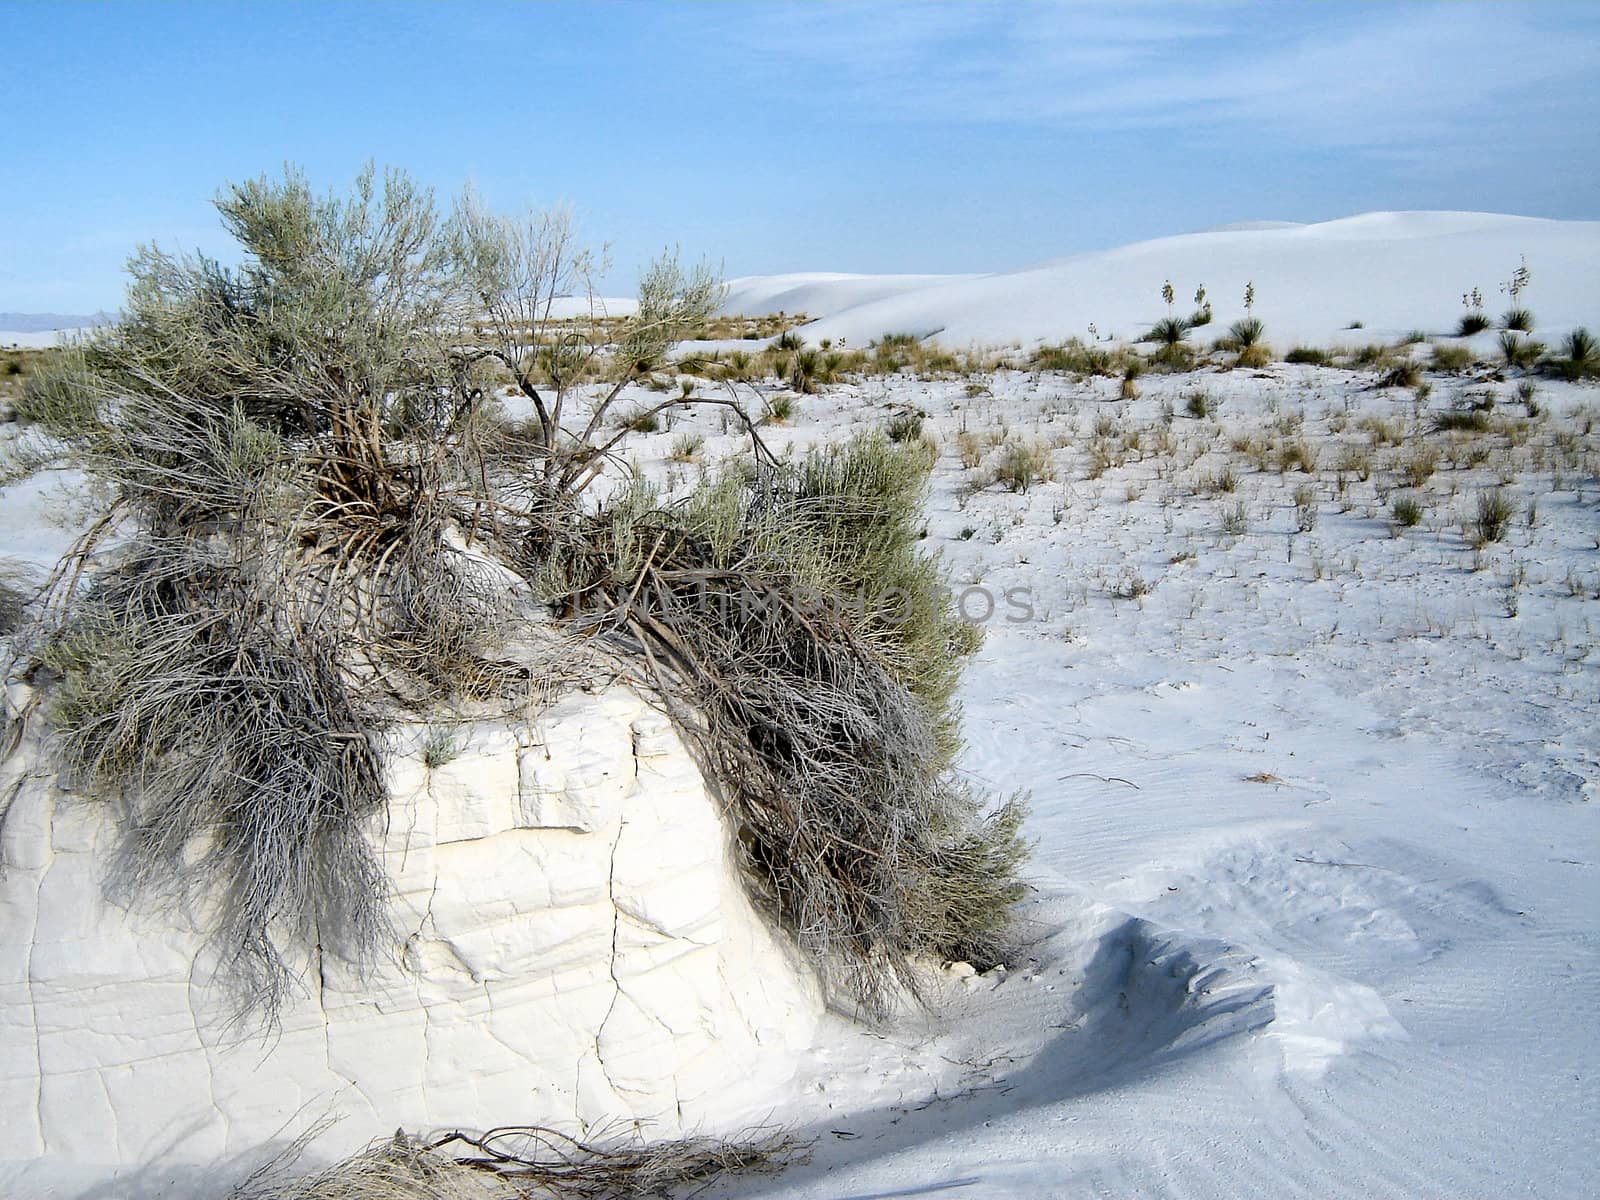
x,y
780,137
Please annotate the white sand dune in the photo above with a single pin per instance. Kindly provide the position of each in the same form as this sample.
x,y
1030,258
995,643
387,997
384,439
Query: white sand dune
x,y
1392,272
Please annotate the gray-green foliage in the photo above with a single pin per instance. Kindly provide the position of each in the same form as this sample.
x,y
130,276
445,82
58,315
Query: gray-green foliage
x,y
295,451
316,509
793,609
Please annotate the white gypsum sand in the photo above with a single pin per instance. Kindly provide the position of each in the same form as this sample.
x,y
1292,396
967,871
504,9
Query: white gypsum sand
x,y
1313,797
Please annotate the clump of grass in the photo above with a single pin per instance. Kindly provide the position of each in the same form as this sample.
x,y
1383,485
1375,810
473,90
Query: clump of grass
x,y
1418,466
686,447
1199,403
1451,358
1519,351
1235,519
1517,318
1308,356
641,421
1131,371
1462,420
780,407
1403,374
1075,358
1022,464
1491,517
441,746
1473,322
1297,453
905,426
1405,510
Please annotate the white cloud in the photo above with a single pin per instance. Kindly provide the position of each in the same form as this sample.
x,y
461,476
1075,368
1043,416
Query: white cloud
x,y
1345,76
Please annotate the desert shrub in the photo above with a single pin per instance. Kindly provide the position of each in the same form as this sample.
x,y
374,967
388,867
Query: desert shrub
x,y
1235,519
515,1163
1451,358
1198,403
1309,356
1517,318
789,340
825,679
317,508
1473,322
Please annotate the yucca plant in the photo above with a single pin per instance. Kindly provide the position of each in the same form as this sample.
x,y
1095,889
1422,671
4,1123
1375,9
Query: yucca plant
x,y
1580,354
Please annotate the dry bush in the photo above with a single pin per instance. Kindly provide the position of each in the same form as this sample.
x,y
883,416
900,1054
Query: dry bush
x,y
794,615
515,1162
323,525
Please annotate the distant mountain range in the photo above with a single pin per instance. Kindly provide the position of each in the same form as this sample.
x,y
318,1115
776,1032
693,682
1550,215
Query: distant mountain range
x,y
12,322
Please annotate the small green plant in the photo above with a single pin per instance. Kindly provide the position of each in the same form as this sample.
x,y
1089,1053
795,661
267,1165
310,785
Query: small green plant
x,y
904,426
686,447
1169,331
1404,374
1244,339
1022,464
1580,354
1493,515
1519,351
1130,372
441,746
1406,510
1309,356
641,421
780,407
1199,404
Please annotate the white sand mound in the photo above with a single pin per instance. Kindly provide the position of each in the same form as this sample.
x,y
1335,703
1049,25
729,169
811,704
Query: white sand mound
x,y
1392,272
570,947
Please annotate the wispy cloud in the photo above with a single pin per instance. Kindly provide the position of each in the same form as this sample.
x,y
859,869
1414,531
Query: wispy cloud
x,y
1389,78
